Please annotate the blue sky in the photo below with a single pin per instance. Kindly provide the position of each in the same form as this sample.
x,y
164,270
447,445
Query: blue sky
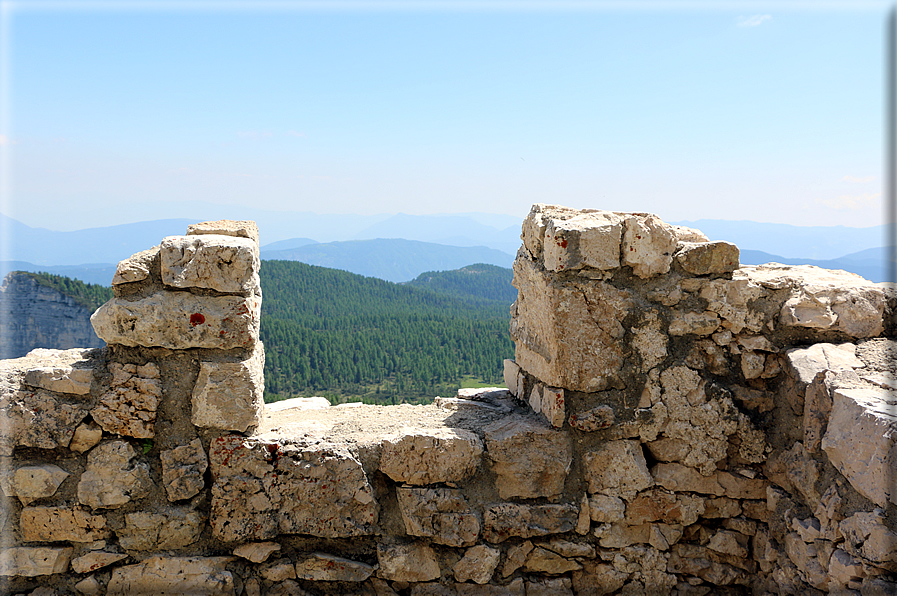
x,y
762,111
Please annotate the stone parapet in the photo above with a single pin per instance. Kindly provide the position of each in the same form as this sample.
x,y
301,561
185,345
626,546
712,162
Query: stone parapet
x,y
673,423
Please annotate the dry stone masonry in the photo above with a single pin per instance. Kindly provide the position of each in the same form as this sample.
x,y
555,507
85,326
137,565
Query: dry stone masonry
x,y
674,423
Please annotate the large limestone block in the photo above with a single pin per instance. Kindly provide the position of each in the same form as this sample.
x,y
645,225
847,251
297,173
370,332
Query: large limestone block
x,y
226,227
57,524
264,489
441,514
806,363
223,263
568,332
183,469
705,258
411,562
861,441
329,568
179,321
112,477
586,240
199,576
867,536
230,395
648,245
617,468
27,561
530,460
37,482
428,456
825,300
536,222
525,521
129,407
62,371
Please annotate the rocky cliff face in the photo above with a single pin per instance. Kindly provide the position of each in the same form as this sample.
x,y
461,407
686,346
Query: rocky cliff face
x,y
35,316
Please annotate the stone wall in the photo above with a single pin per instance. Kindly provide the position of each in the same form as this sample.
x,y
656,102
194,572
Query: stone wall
x,y
675,425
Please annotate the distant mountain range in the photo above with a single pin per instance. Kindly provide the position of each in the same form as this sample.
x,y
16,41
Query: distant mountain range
x,y
393,259
383,245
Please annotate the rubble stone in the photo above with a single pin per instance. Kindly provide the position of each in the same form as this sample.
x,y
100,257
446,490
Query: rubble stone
x,y
525,521
329,568
529,460
57,524
229,395
136,267
95,560
477,565
112,477
617,467
428,456
170,528
63,371
183,469
129,407
30,561
226,227
439,513
37,482
173,575
410,562
256,552
705,258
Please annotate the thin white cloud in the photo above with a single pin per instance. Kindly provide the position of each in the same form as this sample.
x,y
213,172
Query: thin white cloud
x,y
754,21
851,202
295,133
857,179
5,141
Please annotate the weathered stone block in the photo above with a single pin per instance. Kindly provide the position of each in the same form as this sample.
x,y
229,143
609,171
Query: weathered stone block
x,y
63,371
513,378
329,568
705,258
477,565
586,240
428,456
657,505
28,561
618,468
410,562
173,575
226,227
230,395
37,419
223,263
57,524
861,441
136,267
86,437
183,469
129,407
95,560
179,321
439,513
597,418
567,332
112,477
257,552
679,478
525,521
648,245
37,482
170,528
529,460
694,323
542,560
262,490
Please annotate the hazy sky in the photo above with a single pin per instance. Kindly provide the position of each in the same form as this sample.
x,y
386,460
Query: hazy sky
x,y
770,112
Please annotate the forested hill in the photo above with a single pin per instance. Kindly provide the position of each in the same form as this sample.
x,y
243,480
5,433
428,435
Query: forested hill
x,y
343,335
477,284
90,296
